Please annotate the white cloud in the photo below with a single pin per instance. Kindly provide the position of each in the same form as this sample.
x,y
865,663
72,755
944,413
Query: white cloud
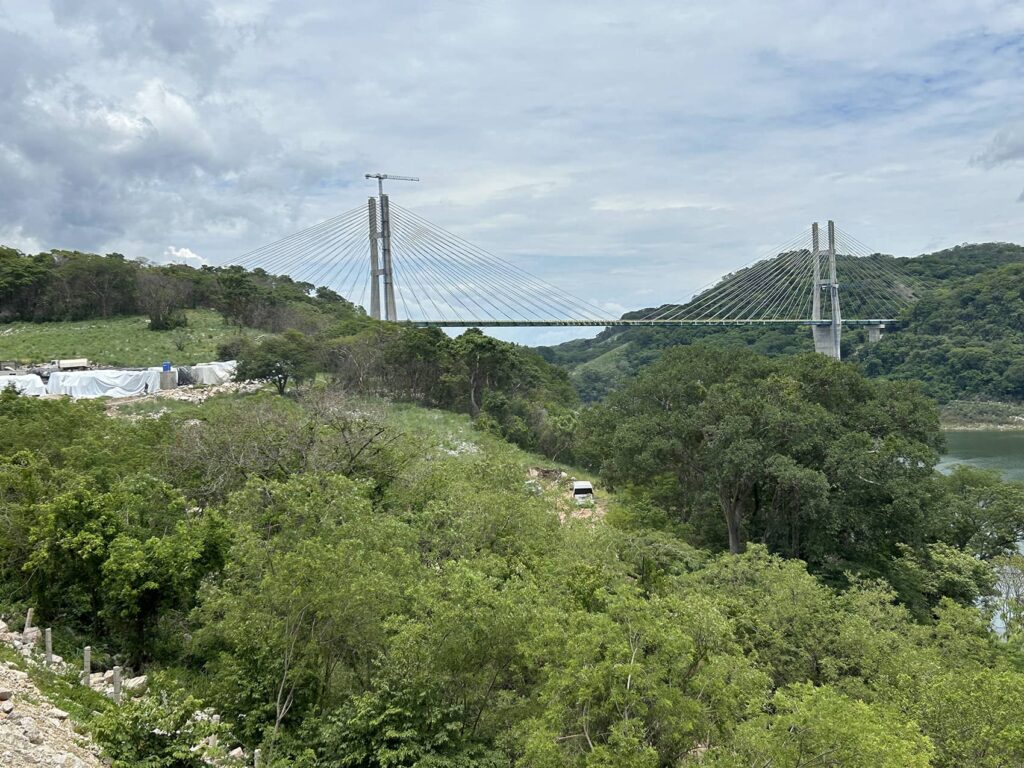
x,y
15,238
172,255
644,150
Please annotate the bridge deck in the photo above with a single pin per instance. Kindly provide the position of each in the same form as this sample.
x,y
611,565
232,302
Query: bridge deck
x,y
626,323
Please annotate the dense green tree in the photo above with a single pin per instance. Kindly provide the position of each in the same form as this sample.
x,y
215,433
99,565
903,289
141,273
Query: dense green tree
x,y
487,364
258,438
163,296
818,726
643,682
765,440
149,733
804,455
278,359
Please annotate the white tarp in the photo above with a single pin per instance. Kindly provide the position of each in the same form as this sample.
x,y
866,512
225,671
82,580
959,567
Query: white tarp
x,y
26,384
213,373
103,383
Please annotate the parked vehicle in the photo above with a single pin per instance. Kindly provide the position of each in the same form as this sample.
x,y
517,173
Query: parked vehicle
x,y
582,492
72,364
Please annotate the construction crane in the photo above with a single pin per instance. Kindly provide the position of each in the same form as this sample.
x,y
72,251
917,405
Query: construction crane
x,y
381,176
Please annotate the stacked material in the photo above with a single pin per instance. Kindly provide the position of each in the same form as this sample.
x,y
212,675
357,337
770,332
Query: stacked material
x,y
86,384
173,373
213,373
26,384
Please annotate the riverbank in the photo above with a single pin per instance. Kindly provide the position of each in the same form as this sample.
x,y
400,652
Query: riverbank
x,y
982,416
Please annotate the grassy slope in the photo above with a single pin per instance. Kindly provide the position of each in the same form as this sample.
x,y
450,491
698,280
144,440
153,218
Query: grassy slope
x,y
607,363
453,431
453,434
118,341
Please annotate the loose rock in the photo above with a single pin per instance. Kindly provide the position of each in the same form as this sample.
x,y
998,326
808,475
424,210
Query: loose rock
x,y
135,685
33,732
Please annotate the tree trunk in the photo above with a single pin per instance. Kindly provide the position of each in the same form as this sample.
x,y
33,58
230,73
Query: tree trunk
x,y
474,405
732,506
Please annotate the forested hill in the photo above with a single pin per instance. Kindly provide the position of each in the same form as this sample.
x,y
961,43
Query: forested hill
x,y
286,332
63,285
963,339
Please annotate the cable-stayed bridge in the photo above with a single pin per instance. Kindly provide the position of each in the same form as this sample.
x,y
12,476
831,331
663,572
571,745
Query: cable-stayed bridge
x,y
403,268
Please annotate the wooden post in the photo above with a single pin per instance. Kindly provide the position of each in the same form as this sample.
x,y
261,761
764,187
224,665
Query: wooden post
x,y
48,640
87,664
117,685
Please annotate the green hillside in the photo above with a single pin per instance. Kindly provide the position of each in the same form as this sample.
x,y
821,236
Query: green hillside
x,y
348,577
962,339
117,311
346,581
125,340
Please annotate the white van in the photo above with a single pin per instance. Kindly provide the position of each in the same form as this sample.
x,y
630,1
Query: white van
x,y
582,492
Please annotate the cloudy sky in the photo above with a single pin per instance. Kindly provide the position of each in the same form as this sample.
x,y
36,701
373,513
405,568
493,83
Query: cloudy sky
x,y
630,152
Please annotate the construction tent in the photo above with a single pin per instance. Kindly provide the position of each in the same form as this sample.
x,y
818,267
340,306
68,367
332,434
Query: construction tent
x,y
213,373
26,384
85,384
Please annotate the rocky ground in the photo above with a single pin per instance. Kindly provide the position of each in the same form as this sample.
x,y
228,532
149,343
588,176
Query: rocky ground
x,y
558,484
33,732
188,394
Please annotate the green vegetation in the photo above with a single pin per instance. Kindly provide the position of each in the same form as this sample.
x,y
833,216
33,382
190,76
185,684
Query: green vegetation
x,y
119,340
349,582
809,458
783,579
508,389
45,298
964,339
71,285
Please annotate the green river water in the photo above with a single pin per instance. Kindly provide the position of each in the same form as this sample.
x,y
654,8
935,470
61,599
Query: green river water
x,y
1001,451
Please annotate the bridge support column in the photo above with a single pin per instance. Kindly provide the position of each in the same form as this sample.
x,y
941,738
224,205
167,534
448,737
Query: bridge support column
x,y
874,332
389,276
837,315
823,343
375,271
826,337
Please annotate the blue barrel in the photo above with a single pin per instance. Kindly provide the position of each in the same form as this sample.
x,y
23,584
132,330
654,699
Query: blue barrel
x,y
167,366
